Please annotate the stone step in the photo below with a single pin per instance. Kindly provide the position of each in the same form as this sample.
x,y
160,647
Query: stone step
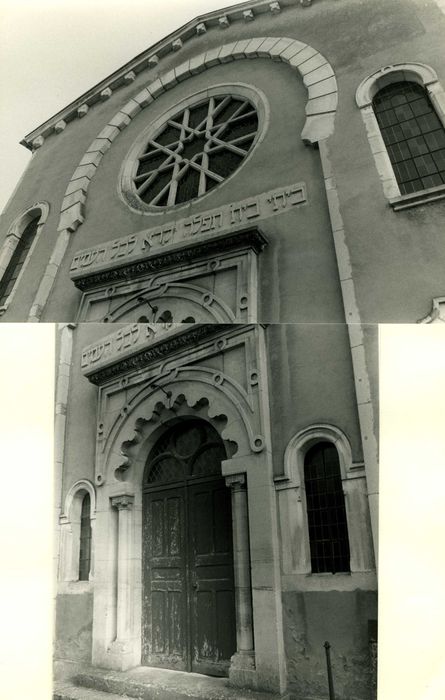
x,y
159,684
73,692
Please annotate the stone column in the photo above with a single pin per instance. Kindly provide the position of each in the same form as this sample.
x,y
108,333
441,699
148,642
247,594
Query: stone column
x,y
124,505
243,662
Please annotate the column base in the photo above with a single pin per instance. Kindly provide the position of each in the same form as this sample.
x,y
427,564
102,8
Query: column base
x,y
120,656
242,672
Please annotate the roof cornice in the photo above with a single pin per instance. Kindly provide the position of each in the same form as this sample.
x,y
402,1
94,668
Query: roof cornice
x,y
151,57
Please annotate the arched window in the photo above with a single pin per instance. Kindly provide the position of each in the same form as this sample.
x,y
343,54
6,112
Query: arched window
x,y
326,513
403,109
77,533
85,539
413,135
17,260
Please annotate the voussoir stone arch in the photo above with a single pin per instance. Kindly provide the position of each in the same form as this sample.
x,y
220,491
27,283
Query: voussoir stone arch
x,y
300,443
415,72
316,72
185,390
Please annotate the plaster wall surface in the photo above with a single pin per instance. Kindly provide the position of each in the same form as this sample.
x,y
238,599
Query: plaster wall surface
x,y
341,618
74,623
312,383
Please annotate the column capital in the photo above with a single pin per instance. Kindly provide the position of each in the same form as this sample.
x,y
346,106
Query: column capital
x,y
236,481
122,502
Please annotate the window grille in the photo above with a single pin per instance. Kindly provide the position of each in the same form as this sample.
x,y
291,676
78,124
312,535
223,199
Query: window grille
x,y
413,135
195,150
85,539
328,530
186,451
17,261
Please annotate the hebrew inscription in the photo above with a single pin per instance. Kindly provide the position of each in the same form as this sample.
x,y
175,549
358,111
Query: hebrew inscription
x,y
214,221
128,337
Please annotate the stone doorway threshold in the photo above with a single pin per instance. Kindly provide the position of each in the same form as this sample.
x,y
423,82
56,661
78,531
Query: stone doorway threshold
x,y
151,684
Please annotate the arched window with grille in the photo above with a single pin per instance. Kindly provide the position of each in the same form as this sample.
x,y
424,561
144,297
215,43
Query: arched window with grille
x,y
413,135
18,258
77,534
85,539
16,249
326,512
403,109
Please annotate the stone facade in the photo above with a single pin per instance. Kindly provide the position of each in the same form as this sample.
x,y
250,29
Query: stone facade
x,y
243,255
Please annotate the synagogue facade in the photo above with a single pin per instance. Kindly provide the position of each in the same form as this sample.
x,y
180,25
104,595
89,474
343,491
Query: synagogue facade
x,y
240,204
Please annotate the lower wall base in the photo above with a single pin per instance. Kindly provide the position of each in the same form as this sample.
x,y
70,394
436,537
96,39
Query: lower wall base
x,y
342,619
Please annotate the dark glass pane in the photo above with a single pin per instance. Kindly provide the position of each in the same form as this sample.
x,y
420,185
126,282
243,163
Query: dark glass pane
x,y
188,186
189,449
17,259
328,534
198,115
85,539
224,162
411,131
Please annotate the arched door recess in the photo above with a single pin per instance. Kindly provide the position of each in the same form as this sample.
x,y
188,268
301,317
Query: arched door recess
x,y
188,602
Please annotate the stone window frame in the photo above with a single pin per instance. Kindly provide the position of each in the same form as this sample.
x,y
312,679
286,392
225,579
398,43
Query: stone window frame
x,y
70,521
426,77
237,90
39,210
437,313
290,489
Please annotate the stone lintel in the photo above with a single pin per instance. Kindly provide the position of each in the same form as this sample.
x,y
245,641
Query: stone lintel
x,y
173,255
138,345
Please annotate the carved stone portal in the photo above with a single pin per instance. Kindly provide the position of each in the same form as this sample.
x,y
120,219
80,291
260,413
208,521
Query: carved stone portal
x,y
217,374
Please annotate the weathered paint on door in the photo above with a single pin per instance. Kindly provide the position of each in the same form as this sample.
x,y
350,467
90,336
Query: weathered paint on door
x,y
188,589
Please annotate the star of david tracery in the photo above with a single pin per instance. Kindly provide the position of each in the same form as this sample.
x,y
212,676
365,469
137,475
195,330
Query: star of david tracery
x,y
196,150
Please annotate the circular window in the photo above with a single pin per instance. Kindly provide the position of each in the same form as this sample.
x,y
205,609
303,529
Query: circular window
x,y
192,149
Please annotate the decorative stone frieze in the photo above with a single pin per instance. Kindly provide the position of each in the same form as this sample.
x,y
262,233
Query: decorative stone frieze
x,y
82,111
38,142
106,94
174,282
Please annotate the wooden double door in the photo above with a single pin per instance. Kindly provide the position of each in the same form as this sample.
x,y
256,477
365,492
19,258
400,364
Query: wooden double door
x,y
188,589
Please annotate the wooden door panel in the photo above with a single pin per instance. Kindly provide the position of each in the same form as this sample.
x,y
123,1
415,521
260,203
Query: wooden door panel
x,y
211,566
164,639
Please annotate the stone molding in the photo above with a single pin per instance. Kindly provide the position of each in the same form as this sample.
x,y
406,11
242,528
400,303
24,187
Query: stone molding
x,y
172,256
150,58
123,502
437,313
137,358
160,382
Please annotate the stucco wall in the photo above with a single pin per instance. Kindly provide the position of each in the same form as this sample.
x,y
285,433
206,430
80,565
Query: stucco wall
x,y
341,618
74,623
311,382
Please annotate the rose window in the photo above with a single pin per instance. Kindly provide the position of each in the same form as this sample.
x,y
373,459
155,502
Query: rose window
x,y
195,150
